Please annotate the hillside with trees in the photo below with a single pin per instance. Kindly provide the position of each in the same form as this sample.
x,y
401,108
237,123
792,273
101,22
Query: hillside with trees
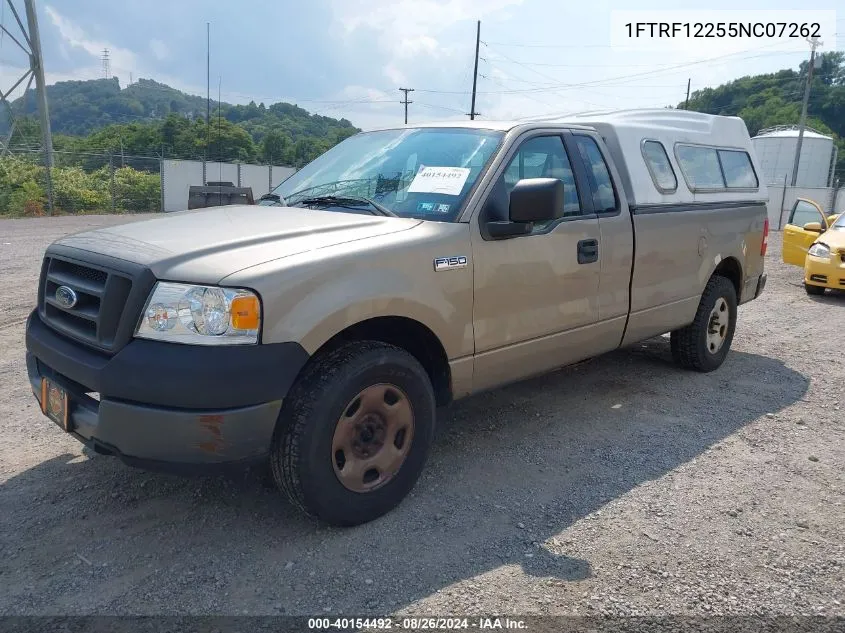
x,y
147,118
108,139
776,98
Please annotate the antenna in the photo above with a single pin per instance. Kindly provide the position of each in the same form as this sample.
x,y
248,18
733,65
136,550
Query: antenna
x,y
106,64
207,98
219,122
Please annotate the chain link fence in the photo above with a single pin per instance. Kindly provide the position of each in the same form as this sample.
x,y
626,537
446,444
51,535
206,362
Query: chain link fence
x,y
111,182
79,182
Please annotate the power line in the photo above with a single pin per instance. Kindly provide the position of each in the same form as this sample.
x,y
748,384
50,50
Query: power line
x,y
106,64
614,65
439,107
642,74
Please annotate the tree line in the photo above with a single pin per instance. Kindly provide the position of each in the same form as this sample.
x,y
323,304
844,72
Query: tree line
x,y
148,118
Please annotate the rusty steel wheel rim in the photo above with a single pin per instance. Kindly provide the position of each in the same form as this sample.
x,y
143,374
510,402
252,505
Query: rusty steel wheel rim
x,y
717,326
372,438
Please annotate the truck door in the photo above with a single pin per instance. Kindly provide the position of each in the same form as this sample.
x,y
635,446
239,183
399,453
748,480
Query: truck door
x,y
617,237
536,295
797,238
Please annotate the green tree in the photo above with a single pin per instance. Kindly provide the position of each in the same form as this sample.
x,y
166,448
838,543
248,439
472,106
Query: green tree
x,y
276,146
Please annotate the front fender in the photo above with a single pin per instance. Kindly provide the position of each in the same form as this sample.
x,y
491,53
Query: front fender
x,y
311,297
359,295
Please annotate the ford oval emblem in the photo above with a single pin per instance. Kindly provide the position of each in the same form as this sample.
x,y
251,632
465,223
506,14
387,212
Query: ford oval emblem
x,y
66,297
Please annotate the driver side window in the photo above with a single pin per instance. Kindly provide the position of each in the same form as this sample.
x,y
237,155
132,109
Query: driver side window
x,y
805,212
544,157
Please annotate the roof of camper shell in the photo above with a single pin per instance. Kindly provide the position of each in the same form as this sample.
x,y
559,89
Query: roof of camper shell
x,y
624,132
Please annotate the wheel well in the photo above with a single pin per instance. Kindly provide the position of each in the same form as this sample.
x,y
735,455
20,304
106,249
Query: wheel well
x,y
412,336
731,270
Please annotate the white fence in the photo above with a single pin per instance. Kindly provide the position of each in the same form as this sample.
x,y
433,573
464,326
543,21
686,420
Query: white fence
x,y
781,200
178,176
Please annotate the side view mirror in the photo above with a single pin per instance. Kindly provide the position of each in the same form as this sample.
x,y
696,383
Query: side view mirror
x,y
531,200
815,227
536,200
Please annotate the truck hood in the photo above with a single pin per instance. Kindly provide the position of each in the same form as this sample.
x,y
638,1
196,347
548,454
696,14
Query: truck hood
x,y
206,245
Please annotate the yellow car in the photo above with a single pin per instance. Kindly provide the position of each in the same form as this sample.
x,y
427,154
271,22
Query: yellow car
x,y
816,242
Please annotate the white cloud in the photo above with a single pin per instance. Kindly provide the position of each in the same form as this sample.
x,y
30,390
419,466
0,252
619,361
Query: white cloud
x,y
419,45
122,60
159,49
409,31
394,74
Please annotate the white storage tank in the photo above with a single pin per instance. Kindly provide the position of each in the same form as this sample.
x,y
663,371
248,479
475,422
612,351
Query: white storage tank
x,y
775,150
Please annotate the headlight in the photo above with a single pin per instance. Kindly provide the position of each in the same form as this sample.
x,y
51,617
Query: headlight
x,y
819,250
200,315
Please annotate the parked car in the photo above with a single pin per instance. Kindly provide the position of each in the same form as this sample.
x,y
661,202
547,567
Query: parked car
x,y
403,269
816,242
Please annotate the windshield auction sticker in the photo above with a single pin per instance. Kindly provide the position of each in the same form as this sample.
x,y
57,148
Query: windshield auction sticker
x,y
445,180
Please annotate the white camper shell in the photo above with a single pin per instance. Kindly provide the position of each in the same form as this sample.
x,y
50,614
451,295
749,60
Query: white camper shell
x,y
669,157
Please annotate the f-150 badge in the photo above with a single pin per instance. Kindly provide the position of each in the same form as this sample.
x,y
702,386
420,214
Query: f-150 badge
x,y
450,263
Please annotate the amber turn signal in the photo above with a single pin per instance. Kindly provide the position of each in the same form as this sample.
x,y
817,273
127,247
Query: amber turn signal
x,y
246,313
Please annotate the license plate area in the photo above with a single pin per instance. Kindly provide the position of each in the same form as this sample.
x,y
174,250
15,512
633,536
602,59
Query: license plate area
x,y
55,404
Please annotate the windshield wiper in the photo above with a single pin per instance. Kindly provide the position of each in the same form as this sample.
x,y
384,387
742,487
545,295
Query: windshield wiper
x,y
347,202
274,197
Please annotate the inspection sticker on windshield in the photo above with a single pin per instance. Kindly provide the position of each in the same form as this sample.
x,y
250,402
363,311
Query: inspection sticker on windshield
x,y
445,180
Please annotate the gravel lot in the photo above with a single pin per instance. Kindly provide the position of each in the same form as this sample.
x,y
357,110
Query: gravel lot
x,y
619,486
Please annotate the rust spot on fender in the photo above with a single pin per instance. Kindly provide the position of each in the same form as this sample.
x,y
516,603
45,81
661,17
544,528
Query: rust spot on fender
x,y
212,424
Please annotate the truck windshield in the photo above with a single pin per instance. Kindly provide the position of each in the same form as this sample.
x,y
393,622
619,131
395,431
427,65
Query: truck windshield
x,y
413,172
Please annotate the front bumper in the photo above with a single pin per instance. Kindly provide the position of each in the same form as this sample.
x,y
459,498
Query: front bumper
x,y
167,406
827,272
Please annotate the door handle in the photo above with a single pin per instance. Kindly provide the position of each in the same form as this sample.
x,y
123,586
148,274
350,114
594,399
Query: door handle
x,y
588,251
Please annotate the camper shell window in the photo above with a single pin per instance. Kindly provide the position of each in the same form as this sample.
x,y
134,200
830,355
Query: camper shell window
x,y
739,173
657,161
707,168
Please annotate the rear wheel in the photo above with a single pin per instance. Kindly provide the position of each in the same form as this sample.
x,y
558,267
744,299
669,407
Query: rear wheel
x,y
704,344
354,433
814,290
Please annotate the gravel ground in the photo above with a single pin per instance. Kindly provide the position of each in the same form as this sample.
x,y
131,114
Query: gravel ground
x,y
618,486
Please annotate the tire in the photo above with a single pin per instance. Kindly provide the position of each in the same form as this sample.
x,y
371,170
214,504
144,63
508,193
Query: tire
x,y
324,441
814,290
691,347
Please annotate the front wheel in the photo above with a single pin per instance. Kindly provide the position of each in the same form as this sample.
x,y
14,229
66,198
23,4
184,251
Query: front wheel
x,y
354,433
704,344
814,290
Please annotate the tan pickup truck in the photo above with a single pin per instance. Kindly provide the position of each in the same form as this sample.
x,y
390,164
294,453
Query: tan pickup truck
x,y
401,270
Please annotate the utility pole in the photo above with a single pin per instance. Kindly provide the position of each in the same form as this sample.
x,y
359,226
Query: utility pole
x,y
37,66
472,112
814,42
406,102
686,103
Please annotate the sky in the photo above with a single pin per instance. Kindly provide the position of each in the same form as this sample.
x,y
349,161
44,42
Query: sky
x,y
348,58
